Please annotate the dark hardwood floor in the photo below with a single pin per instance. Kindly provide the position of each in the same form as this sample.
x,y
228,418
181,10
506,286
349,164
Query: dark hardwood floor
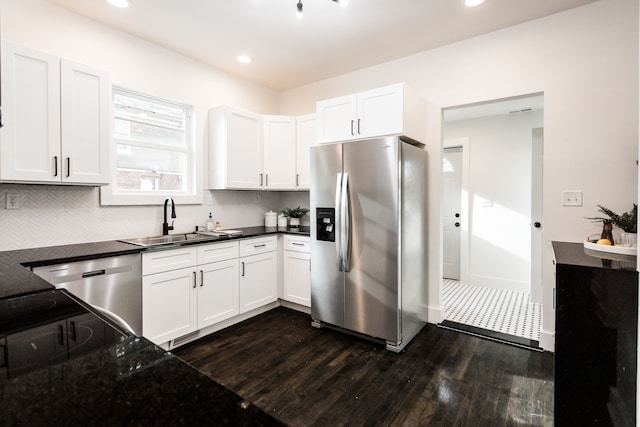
x,y
319,377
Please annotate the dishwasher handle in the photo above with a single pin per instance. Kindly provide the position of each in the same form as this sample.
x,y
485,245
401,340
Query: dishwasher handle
x,y
94,273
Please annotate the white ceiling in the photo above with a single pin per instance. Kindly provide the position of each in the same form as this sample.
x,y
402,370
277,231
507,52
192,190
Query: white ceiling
x,y
329,40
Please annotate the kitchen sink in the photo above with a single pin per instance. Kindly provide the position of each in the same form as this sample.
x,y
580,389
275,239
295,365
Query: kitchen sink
x,y
178,239
172,239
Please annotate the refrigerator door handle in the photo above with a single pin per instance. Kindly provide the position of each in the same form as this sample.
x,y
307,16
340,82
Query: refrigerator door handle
x,y
345,224
338,220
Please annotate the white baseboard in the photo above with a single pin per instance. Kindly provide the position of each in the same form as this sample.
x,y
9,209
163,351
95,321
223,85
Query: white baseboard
x,y
547,341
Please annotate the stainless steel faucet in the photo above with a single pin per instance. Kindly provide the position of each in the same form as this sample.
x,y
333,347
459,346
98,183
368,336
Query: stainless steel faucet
x,y
165,225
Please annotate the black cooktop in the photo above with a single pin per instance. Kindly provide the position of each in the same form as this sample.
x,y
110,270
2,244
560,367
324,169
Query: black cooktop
x,y
46,328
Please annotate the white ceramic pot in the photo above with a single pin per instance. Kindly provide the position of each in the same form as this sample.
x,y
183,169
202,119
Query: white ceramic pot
x,y
294,222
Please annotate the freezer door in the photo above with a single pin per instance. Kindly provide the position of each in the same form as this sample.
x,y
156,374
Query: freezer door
x,y
327,281
371,283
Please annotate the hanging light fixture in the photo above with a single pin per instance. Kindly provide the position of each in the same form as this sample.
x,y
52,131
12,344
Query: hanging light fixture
x,y
299,11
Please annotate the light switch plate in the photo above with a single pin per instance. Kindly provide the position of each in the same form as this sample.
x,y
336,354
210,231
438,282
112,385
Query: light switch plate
x,y
572,198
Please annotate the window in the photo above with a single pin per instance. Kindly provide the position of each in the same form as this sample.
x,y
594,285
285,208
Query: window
x,y
154,151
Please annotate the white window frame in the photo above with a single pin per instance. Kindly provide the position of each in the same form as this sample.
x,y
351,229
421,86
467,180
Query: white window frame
x,y
109,194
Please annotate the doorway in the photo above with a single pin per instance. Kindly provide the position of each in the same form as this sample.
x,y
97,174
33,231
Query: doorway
x,y
491,200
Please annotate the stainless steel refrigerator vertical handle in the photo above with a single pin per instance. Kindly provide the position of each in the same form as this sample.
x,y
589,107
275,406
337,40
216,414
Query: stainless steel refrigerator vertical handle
x,y
345,224
337,220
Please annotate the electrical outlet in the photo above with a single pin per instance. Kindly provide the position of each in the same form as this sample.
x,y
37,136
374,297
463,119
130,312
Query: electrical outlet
x,y
256,199
12,201
572,198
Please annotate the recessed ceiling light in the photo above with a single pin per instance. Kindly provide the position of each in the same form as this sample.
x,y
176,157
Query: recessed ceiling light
x,y
471,3
119,3
244,59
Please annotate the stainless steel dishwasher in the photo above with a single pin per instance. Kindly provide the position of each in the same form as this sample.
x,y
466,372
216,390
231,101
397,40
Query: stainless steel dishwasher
x,y
113,286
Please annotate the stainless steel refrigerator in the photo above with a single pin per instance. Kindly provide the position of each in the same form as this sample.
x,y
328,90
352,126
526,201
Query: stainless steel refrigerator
x,y
368,238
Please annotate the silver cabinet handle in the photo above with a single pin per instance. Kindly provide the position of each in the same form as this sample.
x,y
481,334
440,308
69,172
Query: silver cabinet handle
x,y
260,180
297,244
266,179
242,268
201,278
260,246
55,165
297,180
68,167
194,280
352,128
358,126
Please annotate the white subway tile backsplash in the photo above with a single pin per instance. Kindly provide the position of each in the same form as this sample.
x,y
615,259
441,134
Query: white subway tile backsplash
x,y
57,215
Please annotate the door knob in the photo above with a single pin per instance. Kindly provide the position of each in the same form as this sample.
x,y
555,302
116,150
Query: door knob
x,y
537,224
457,224
457,215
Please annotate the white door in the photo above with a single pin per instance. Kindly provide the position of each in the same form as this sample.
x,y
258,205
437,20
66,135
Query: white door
x,y
258,281
451,210
536,213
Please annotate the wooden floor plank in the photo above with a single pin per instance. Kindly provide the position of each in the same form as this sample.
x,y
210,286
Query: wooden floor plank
x,y
317,377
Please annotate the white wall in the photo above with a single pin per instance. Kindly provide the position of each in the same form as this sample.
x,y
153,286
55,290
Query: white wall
x,y
53,215
499,198
585,60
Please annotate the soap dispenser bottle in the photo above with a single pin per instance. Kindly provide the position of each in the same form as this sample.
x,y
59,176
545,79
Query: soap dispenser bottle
x,y
211,225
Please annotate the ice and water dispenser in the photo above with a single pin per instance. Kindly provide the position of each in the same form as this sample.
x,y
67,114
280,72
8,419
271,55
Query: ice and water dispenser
x,y
325,224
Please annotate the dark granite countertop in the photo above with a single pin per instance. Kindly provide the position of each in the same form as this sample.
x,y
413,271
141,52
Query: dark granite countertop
x,y
576,254
16,277
133,382
119,380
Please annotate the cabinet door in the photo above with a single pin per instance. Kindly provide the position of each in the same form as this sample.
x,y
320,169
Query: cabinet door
x,y
279,152
258,281
380,112
297,278
306,138
235,149
217,292
30,137
336,119
169,305
85,105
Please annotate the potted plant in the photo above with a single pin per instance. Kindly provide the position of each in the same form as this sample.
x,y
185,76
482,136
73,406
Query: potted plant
x,y
295,214
627,222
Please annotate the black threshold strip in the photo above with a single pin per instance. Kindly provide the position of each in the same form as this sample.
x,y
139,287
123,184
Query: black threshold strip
x,y
492,335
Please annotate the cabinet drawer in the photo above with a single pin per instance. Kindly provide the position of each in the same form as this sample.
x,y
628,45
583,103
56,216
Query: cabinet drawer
x,y
157,262
296,243
258,245
218,252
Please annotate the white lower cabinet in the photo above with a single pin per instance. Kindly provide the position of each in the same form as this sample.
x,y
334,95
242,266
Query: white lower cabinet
x,y
169,304
191,288
258,272
296,264
217,292
179,299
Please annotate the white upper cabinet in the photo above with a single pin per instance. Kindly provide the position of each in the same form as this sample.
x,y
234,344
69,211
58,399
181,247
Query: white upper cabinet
x,y
279,152
306,130
248,151
389,110
56,119
236,159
